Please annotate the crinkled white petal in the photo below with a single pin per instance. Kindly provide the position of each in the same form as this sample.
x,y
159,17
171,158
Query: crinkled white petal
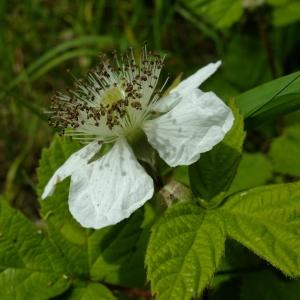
x,y
76,161
109,189
195,125
167,103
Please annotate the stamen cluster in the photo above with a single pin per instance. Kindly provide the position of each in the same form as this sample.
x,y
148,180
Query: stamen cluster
x,y
110,95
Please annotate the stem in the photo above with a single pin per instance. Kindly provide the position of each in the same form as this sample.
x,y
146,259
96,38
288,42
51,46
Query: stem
x,y
132,292
265,38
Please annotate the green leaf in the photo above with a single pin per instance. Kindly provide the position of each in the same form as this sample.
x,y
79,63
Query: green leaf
x,y
267,285
270,96
181,174
184,250
279,106
32,267
284,151
287,13
266,220
221,13
254,170
114,254
90,291
213,173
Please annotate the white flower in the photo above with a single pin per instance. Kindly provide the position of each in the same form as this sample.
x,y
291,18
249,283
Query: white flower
x,y
116,102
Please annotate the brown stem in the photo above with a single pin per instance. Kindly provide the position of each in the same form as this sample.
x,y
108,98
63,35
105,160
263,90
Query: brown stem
x,y
132,292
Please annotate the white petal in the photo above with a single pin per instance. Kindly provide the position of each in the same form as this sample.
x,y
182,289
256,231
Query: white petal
x,y
109,189
195,125
165,104
76,161
197,78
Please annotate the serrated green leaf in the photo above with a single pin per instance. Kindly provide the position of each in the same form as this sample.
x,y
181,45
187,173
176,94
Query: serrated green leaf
x,y
221,13
267,285
285,151
114,254
266,220
90,291
32,268
185,248
213,173
254,170
253,102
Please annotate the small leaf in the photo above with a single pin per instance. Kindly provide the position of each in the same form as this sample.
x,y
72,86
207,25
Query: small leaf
x,y
285,151
184,250
267,220
32,268
213,173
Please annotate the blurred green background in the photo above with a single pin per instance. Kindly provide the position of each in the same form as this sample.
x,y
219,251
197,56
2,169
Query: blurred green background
x,y
45,44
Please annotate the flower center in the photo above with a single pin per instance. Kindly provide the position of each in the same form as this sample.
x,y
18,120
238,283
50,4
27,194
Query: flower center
x,y
112,96
118,94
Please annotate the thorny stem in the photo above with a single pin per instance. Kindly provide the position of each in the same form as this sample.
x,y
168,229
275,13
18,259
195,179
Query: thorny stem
x,y
146,294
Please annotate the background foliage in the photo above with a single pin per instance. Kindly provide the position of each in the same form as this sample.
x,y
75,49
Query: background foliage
x,y
44,44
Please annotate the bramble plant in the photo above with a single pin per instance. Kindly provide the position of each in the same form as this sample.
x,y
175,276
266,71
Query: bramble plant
x,y
157,185
184,243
